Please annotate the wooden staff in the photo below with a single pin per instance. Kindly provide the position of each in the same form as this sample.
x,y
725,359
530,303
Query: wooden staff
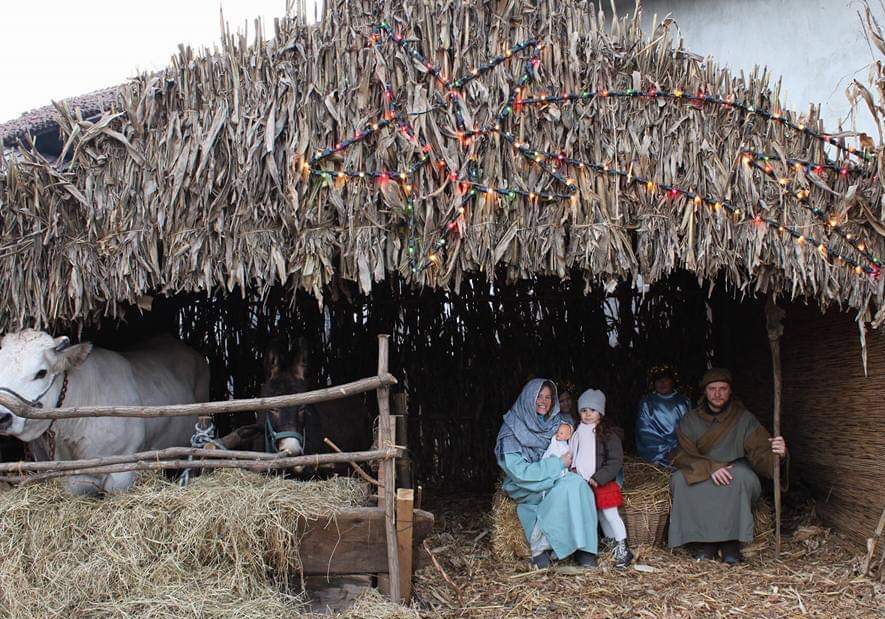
x,y
773,319
872,543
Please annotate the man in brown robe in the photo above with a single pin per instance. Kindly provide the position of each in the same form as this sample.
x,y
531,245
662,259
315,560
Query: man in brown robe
x,y
722,450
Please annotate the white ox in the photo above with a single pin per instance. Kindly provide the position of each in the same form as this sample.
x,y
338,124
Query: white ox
x,y
35,365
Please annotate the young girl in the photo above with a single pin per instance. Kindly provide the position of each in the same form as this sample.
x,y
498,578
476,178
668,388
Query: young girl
x,y
598,457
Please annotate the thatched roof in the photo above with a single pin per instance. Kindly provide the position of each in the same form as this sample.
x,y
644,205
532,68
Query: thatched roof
x,y
196,183
46,118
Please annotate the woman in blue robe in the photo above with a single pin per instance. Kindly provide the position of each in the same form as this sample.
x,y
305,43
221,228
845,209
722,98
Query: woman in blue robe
x,y
659,414
556,507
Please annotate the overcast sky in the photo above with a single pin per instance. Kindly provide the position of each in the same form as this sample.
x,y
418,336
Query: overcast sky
x,y
53,49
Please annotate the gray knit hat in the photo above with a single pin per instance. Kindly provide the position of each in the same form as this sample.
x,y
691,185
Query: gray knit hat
x,y
592,398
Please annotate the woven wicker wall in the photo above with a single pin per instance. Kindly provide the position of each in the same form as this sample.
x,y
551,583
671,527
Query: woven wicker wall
x,y
833,416
836,416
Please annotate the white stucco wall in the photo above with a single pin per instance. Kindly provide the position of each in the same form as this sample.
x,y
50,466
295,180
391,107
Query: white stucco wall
x,y
818,46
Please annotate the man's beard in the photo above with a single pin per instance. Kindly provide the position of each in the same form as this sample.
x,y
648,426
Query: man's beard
x,y
721,409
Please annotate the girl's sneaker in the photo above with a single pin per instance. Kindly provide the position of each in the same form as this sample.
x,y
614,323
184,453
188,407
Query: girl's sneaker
x,y
623,556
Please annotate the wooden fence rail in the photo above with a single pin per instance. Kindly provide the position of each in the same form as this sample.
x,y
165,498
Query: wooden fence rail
x,y
154,454
212,463
22,409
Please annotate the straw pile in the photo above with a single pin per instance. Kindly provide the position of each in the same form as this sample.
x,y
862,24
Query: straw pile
x,y
816,577
373,605
646,487
225,546
508,539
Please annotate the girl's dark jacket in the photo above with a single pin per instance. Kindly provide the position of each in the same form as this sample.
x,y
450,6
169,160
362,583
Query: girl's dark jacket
x,y
609,454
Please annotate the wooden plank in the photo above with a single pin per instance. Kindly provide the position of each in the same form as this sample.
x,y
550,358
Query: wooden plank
x,y
386,473
404,464
405,504
355,542
400,404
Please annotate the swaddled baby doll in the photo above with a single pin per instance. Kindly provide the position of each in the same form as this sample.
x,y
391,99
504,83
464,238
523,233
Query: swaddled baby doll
x,y
559,442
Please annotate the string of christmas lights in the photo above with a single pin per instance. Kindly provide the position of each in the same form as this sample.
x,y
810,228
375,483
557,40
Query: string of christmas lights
x,y
698,100
802,196
674,192
815,167
471,187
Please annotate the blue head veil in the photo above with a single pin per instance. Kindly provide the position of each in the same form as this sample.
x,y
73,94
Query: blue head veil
x,y
524,431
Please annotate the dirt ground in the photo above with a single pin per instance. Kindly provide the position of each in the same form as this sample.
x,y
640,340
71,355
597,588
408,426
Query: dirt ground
x,y
816,577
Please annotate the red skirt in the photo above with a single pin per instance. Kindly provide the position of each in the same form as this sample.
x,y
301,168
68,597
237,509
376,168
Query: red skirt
x,y
608,495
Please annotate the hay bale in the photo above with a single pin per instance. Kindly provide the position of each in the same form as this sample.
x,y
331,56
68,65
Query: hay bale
x,y
646,486
763,528
227,544
508,538
763,519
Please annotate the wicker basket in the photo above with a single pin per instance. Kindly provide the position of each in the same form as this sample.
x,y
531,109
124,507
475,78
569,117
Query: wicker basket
x,y
646,527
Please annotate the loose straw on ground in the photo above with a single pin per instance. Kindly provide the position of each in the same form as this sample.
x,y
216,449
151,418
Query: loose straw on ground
x,y
817,573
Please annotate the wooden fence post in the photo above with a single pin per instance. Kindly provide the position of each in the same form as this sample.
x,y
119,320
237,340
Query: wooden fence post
x,y
401,415
386,474
405,505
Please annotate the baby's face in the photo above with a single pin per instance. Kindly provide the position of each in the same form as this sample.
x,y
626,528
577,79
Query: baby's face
x,y
564,432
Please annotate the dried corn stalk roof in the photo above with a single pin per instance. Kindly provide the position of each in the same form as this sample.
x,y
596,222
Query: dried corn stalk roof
x,y
47,117
193,183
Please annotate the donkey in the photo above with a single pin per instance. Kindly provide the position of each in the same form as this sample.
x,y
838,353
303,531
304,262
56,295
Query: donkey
x,y
301,429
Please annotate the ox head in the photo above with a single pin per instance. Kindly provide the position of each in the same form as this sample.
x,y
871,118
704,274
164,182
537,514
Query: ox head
x,y
31,368
285,370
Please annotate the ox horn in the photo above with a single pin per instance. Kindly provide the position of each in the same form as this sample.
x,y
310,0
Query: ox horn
x,y
61,343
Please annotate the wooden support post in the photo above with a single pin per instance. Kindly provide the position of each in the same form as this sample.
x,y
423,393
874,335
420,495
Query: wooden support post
x,y
386,473
773,317
405,504
403,465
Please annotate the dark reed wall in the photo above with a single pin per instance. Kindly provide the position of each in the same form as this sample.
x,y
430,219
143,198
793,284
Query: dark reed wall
x,y
461,357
